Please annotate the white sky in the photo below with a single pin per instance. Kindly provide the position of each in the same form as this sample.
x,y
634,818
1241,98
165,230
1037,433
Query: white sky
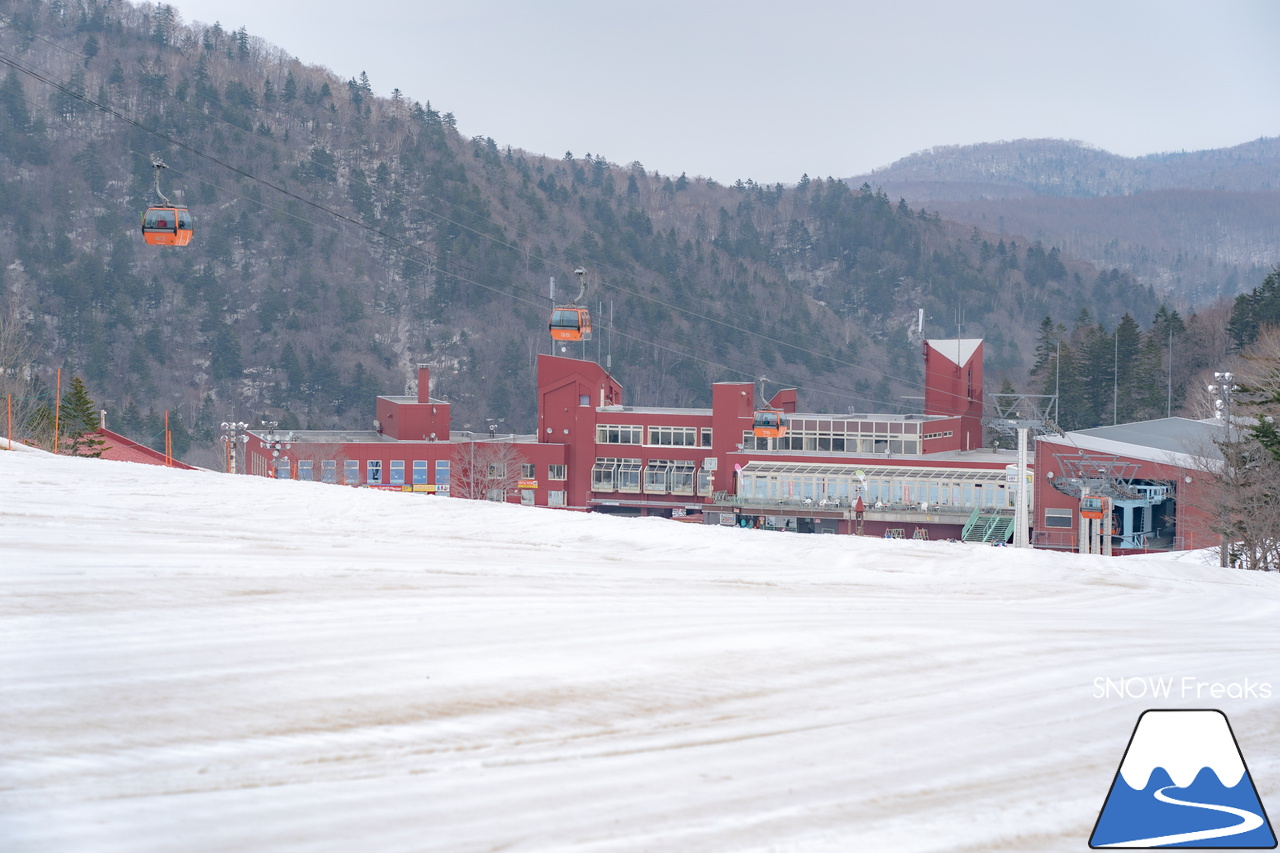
x,y
766,90
197,662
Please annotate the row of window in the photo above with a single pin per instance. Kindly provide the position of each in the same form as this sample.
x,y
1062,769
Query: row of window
x,y
393,474
656,477
372,473
795,440
886,490
658,436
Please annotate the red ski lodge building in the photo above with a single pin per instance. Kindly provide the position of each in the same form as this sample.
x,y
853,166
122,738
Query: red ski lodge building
x,y
924,476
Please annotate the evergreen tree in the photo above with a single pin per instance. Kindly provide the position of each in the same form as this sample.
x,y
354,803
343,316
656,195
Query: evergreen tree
x,y
79,421
1255,309
1129,386
1047,339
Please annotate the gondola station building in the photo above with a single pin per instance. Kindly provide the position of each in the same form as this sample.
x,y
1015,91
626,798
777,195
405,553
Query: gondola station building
x,y
916,475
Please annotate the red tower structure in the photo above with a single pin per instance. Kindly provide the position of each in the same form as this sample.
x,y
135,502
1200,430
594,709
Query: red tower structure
x,y
953,386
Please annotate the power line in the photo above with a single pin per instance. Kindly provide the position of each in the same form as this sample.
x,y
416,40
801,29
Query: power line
x,y
433,259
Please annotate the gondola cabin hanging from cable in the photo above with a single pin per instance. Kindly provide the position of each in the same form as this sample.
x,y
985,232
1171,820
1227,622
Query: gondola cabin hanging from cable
x,y
769,423
167,224
572,322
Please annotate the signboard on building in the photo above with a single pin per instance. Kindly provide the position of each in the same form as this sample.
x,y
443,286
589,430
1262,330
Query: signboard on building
x,y
421,487
527,484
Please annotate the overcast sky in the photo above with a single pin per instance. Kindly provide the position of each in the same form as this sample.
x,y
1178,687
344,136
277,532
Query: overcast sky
x,y
769,90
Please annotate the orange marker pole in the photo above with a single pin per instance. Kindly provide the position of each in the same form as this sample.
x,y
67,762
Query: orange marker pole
x,y
57,411
9,415
168,441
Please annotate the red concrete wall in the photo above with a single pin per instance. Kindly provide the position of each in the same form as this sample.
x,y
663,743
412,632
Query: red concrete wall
x,y
955,389
417,420
732,412
569,392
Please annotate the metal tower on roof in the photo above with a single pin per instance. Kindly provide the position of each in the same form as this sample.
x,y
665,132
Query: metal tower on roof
x,y
1020,414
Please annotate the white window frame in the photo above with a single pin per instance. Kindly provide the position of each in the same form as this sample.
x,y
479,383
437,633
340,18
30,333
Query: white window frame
x,y
630,474
619,434
657,476
1058,514
673,436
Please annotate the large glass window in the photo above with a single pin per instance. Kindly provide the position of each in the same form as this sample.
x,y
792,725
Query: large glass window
x,y
419,472
656,475
557,472
351,472
681,478
375,472
328,471
670,436
619,434
629,475
442,473
1058,518
306,469
604,475
397,472
555,498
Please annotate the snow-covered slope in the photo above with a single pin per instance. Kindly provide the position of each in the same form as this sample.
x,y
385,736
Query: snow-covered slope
x,y
197,662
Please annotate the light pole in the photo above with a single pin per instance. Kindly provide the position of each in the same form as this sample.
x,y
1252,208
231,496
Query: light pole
x,y
233,435
1221,388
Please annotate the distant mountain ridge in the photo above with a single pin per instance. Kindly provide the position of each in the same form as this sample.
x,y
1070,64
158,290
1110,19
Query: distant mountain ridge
x,y
1197,225
1069,169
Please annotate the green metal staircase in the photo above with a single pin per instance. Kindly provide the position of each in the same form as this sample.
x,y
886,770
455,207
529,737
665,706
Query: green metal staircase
x,y
992,526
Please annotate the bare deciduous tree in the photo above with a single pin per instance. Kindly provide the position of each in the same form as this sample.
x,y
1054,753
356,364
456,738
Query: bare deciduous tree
x,y
485,470
17,390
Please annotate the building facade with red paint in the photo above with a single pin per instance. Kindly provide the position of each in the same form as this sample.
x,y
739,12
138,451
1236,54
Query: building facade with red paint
x,y
922,475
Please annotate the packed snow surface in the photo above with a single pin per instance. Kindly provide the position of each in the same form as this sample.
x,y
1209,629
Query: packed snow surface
x,y
196,662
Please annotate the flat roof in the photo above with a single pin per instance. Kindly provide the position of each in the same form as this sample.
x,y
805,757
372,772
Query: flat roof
x,y
369,436
791,416
948,458
410,398
653,410
1179,441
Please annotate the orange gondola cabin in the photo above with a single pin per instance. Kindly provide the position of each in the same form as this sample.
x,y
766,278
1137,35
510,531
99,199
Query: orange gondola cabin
x,y
167,226
570,323
769,423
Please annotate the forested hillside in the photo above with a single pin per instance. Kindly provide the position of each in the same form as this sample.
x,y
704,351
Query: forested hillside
x,y
1196,225
342,238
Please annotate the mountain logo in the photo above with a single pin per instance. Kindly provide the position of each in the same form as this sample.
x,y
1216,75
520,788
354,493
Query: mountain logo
x,y
1183,783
